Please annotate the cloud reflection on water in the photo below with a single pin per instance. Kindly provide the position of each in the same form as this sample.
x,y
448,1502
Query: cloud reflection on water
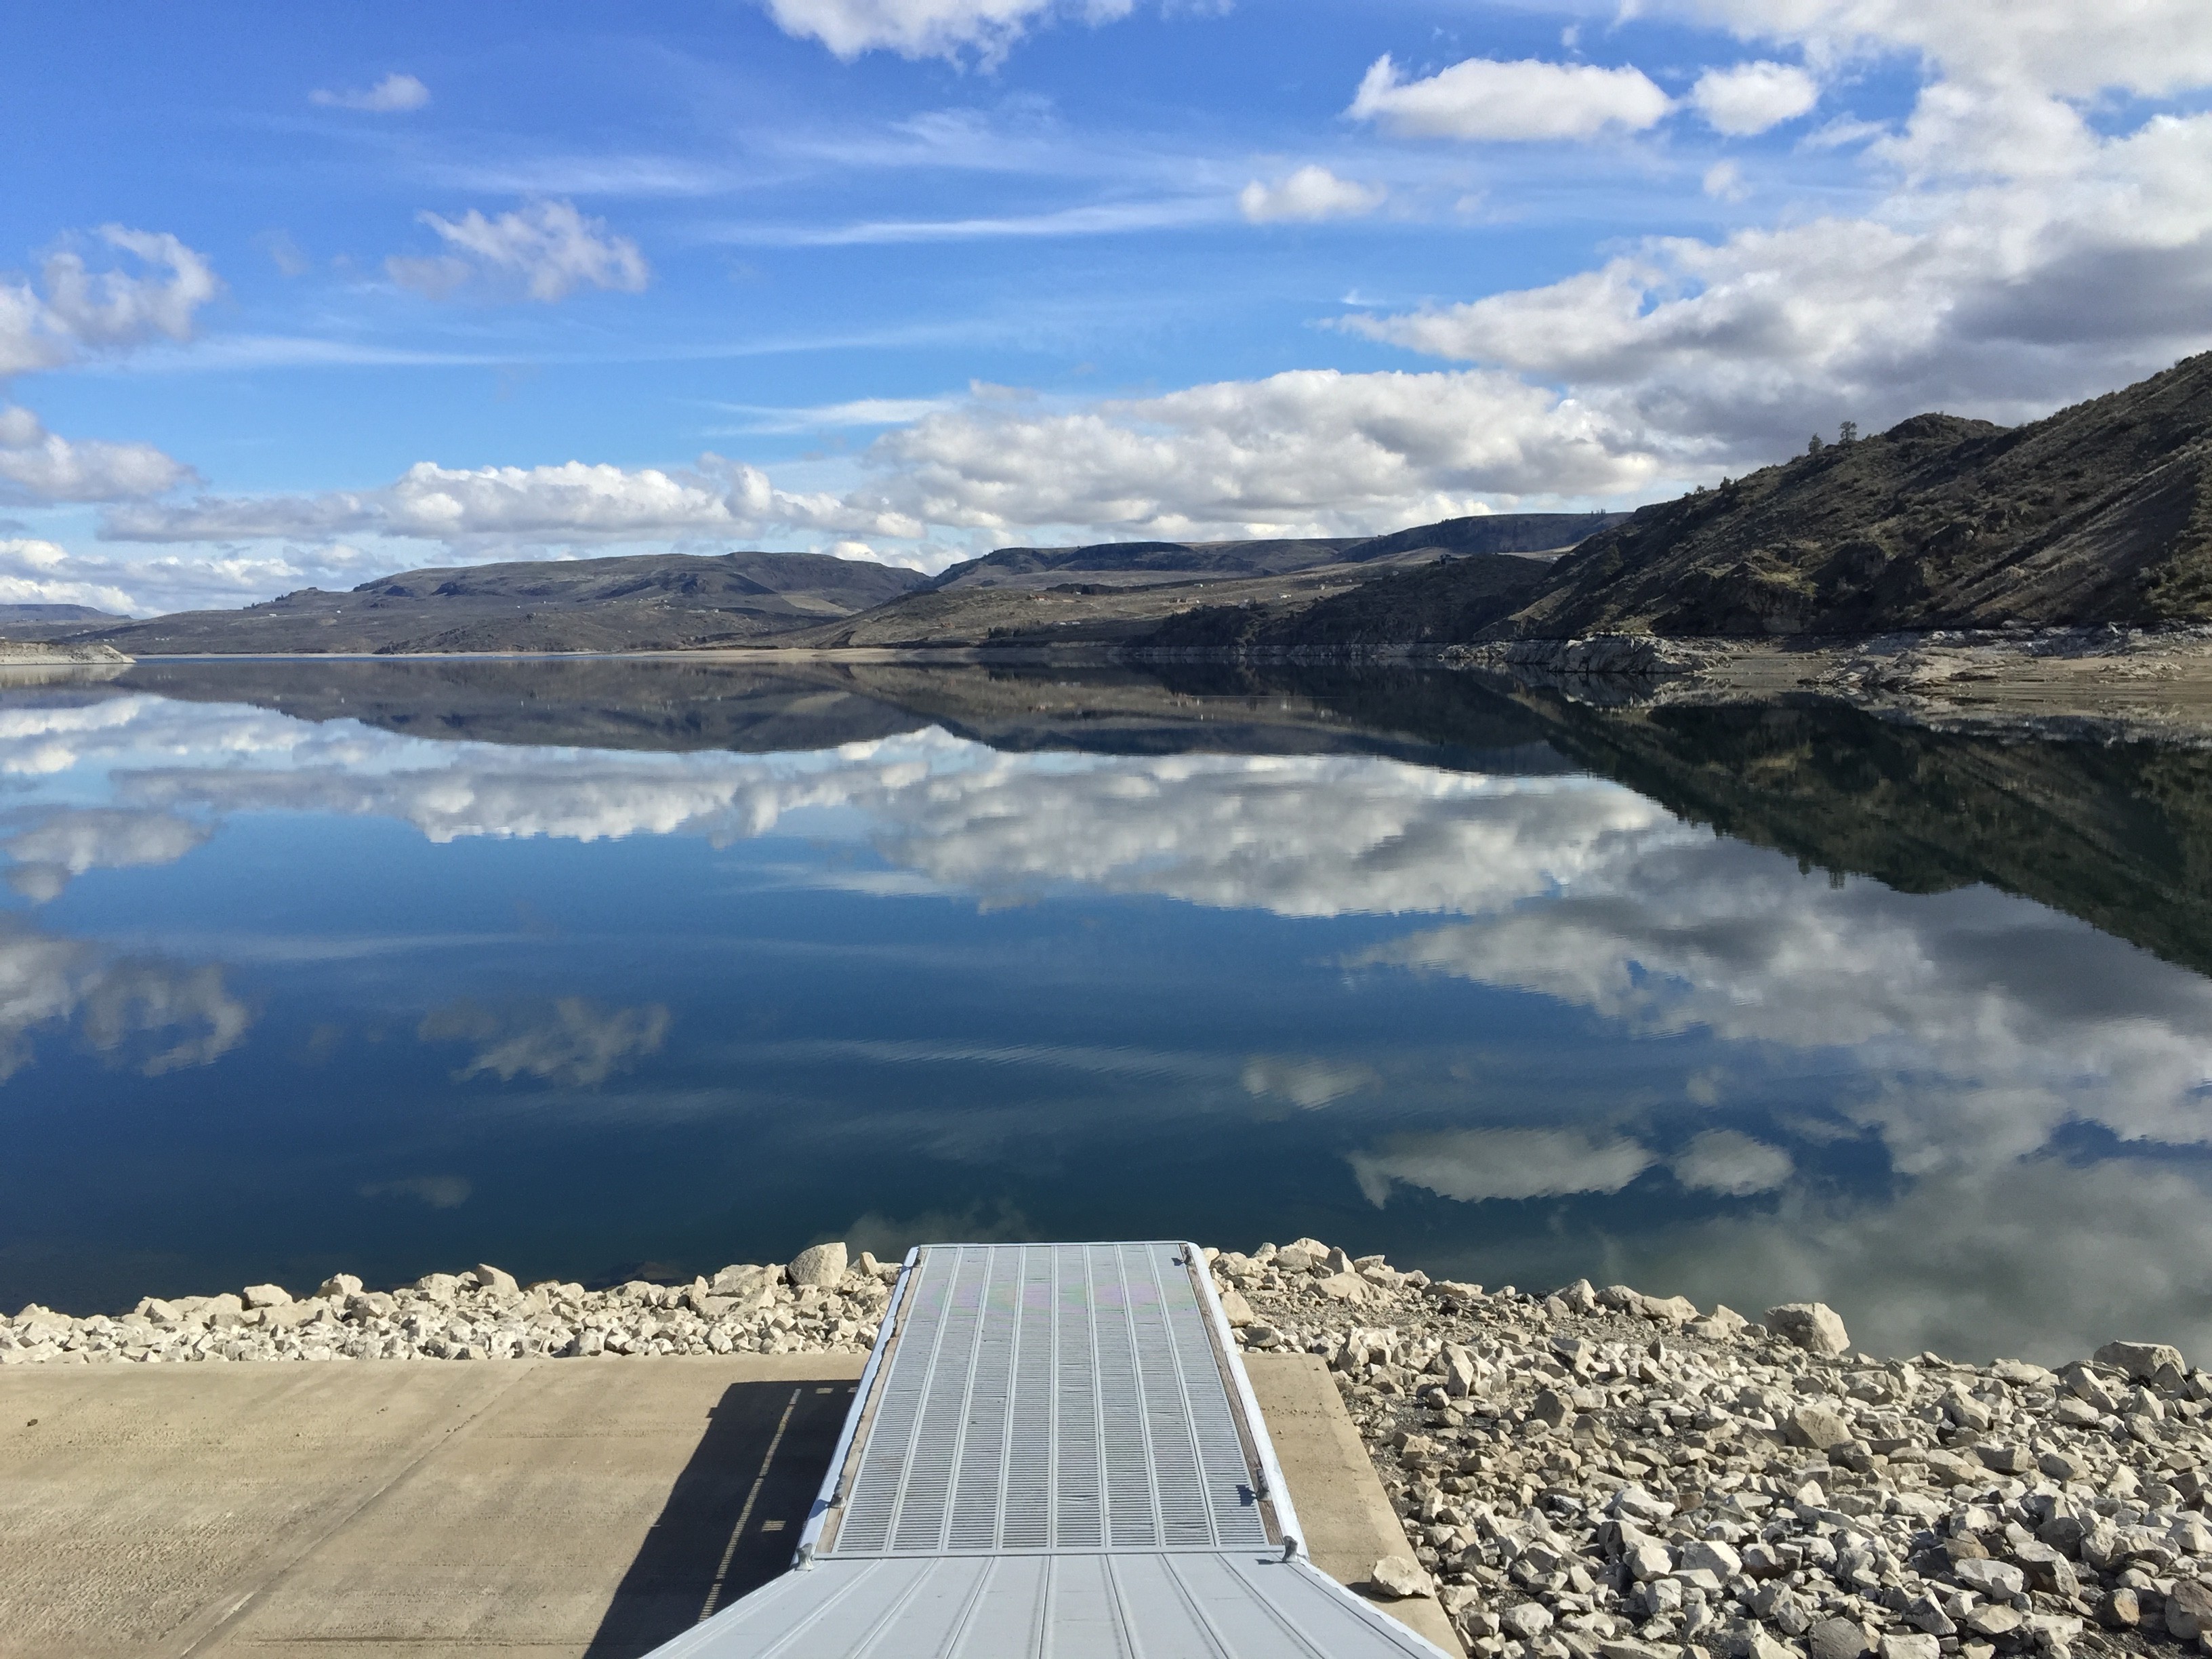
x,y
1974,1037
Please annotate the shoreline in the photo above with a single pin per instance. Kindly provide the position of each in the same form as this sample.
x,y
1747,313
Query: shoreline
x,y
2105,685
1584,1475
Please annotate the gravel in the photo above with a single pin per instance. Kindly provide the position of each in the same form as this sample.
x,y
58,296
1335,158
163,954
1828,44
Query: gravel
x,y
1603,1474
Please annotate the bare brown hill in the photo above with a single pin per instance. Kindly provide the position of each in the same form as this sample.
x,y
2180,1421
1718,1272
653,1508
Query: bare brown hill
x,y
2100,514
638,601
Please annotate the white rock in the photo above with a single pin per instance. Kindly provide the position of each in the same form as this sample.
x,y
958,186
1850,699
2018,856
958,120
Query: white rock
x,y
2142,1360
1998,1579
266,1296
1528,1622
818,1268
340,1285
1400,1576
1813,1326
1713,1556
1236,1307
489,1278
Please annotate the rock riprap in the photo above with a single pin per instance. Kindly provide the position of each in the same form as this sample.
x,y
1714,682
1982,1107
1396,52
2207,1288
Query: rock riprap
x,y
1603,1474
1585,1474
817,1304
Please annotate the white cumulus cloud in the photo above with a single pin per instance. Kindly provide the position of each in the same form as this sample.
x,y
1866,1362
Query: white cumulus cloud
x,y
1999,297
545,250
38,466
155,293
572,502
1749,98
1482,98
928,28
1309,452
33,571
1292,454
1311,193
395,94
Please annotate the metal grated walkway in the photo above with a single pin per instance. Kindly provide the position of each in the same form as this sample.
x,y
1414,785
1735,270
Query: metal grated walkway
x,y
1051,1397
1054,1451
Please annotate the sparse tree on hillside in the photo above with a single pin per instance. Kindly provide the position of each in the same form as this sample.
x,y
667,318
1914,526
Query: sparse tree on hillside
x,y
1813,446
1848,433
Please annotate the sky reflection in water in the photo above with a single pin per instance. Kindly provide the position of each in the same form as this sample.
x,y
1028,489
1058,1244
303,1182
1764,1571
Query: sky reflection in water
x,y
281,996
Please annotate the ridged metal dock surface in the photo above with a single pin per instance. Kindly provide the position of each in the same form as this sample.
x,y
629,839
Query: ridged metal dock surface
x,y
1053,1452
1051,1397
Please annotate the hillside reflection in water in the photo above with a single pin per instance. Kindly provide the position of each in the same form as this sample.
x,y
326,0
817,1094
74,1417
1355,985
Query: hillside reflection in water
x,y
584,967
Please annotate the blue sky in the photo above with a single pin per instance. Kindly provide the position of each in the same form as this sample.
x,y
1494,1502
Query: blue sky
x,y
291,299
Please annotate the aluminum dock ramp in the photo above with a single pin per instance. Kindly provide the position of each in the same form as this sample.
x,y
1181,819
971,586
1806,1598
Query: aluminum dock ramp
x,y
1052,1454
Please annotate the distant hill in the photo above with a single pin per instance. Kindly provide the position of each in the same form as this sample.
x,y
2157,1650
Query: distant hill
x,y
44,622
638,601
2100,513
1125,563
1096,595
1118,594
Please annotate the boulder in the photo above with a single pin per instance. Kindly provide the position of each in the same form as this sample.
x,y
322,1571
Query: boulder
x,y
1840,1638
1301,1255
1238,1310
1915,1646
266,1296
1344,1287
1668,1310
489,1278
1400,1577
1994,1620
1998,1579
1552,1407
818,1268
1460,1376
1813,1326
1818,1428
1713,1556
1529,1620
2063,1467
340,1285
2141,1361
2189,1610
2085,1386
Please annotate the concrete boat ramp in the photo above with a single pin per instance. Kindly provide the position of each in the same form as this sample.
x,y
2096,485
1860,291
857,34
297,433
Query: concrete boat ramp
x,y
1054,1449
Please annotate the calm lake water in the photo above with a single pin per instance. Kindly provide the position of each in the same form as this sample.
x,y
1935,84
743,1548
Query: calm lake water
x,y
598,968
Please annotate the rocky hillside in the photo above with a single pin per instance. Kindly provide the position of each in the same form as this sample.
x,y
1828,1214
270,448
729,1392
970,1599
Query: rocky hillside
x,y
1441,604
2102,513
642,601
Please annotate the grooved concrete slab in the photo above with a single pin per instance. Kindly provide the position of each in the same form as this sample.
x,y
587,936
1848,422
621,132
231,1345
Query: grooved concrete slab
x,y
560,1507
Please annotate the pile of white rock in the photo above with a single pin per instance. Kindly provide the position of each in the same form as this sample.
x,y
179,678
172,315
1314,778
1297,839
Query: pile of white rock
x,y
1601,1474
820,1303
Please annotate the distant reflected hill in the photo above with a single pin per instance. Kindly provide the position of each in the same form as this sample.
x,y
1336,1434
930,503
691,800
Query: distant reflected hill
x,y
2118,835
